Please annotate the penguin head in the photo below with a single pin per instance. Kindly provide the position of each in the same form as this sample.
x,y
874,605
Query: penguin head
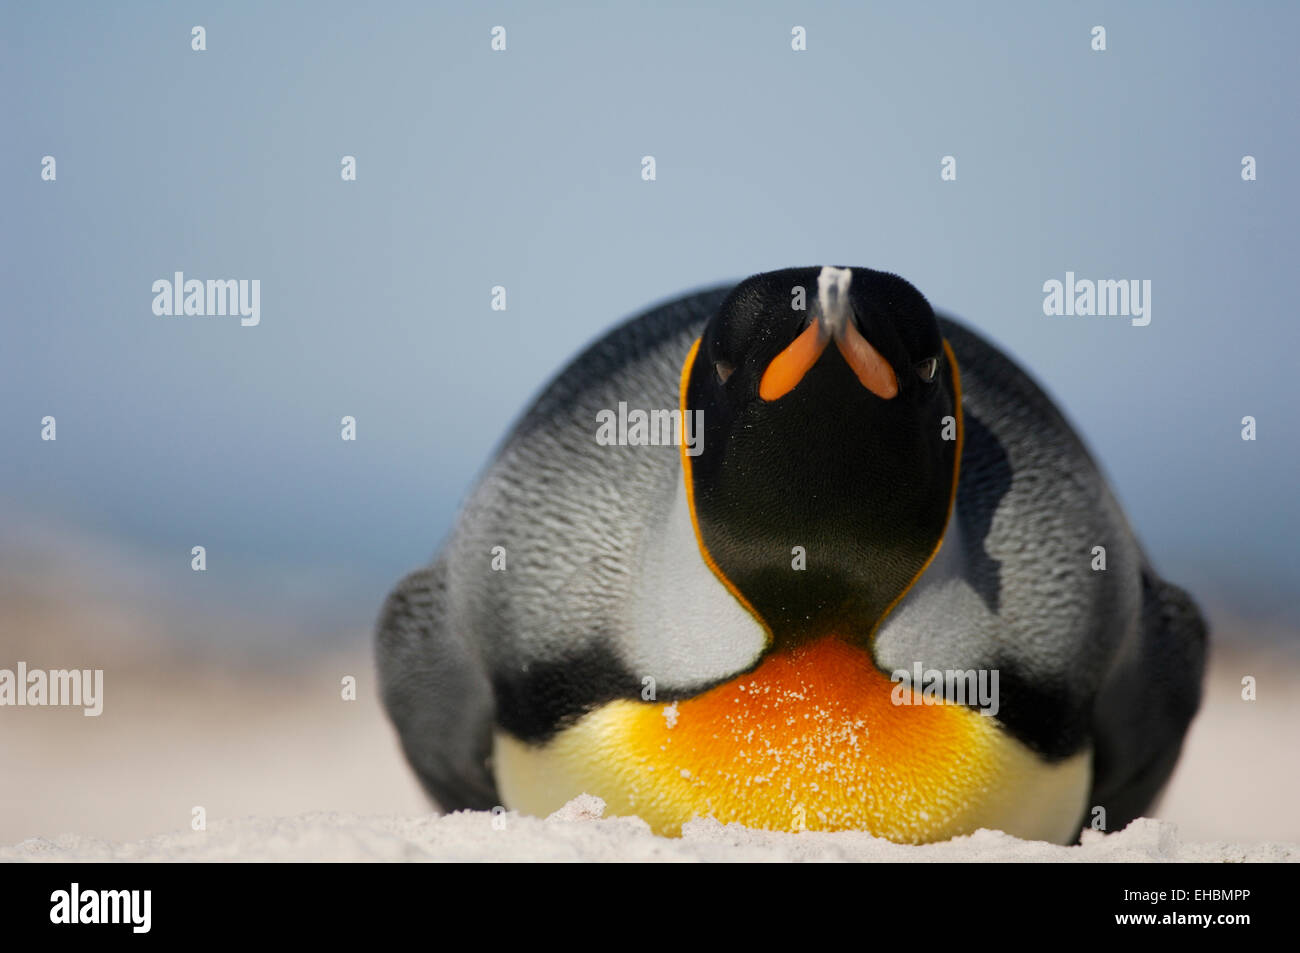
x,y
824,393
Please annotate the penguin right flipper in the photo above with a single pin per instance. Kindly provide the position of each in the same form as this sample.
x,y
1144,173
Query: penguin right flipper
x,y
1144,709
437,693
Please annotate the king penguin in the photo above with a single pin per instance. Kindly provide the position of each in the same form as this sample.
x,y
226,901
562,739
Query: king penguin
x,y
830,493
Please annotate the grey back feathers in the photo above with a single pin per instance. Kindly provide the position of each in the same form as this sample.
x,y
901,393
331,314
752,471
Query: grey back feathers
x,y
585,526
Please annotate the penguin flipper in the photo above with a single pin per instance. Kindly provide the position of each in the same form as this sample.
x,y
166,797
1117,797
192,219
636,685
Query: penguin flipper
x,y
437,694
1143,711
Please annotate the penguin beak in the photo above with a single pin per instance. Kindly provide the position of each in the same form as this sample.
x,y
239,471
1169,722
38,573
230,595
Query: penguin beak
x,y
835,323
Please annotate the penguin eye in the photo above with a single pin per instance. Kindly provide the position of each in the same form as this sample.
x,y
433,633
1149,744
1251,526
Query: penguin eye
x,y
928,368
723,370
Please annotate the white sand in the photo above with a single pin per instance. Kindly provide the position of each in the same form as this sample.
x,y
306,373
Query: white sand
x,y
577,833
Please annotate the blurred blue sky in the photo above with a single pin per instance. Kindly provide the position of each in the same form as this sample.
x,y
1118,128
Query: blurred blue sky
x,y
522,169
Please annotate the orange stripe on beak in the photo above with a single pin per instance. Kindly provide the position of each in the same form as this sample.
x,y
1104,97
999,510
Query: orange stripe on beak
x,y
872,369
788,368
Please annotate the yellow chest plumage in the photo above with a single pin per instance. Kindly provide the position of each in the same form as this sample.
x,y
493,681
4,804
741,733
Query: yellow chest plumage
x,y
811,739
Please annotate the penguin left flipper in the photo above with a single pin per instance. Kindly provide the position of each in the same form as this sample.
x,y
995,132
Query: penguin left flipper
x,y
1144,706
437,693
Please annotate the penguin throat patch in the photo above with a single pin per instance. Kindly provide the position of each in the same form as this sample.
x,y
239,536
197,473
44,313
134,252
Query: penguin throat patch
x,y
810,740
